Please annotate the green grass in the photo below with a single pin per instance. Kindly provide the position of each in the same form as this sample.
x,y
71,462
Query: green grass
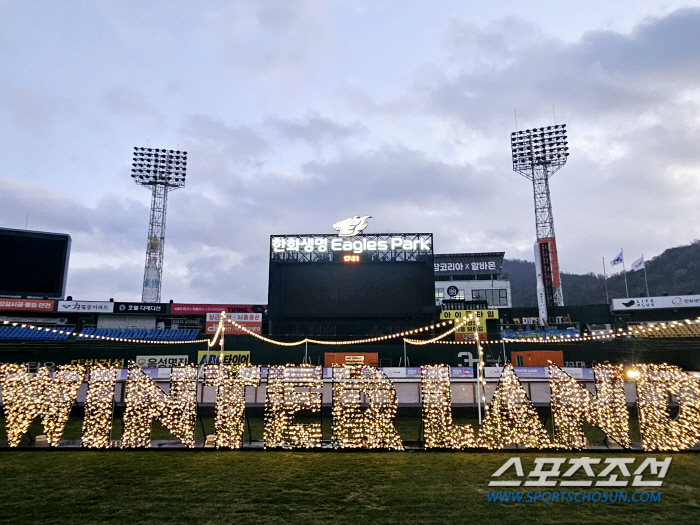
x,y
301,487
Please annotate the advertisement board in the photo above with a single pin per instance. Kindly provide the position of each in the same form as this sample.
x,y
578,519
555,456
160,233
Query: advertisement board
x,y
468,264
202,309
160,361
141,308
231,357
27,305
649,303
252,321
95,307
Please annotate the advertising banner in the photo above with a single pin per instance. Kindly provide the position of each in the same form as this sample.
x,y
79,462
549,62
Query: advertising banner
x,y
252,321
459,314
468,264
95,307
538,334
648,303
160,361
231,357
34,305
141,308
202,309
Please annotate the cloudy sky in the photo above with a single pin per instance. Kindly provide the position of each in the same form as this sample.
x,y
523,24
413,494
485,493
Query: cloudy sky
x,y
298,114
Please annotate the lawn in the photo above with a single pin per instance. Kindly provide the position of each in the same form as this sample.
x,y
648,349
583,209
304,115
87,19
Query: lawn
x,y
174,486
208,486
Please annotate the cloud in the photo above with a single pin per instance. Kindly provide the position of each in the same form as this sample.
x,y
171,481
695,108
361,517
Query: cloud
x,y
132,104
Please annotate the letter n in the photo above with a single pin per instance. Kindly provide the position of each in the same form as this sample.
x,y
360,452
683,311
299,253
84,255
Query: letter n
x,y
145,400
572,404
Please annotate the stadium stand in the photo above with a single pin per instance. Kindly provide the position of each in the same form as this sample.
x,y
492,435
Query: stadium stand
x,y
664,330
25,333
155,334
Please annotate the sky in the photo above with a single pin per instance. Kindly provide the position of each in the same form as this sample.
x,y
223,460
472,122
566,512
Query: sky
x,y
296,115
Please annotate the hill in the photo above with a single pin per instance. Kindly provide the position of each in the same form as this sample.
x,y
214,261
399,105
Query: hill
x,y
676,271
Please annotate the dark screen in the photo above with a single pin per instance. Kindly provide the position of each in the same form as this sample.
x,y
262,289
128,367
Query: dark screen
x,y
33,263
351,290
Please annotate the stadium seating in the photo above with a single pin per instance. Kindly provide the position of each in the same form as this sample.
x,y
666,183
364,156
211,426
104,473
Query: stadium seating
x,y
664,330
20,333
154,334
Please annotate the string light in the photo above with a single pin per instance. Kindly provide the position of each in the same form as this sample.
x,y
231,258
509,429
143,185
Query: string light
x,y
99,404
438,427
291,389
659,431
571,404
352,341
372,428
146,401
511,418
26,398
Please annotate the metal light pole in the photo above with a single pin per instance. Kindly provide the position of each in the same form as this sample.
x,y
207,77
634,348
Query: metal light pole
x,y
162,171
537,155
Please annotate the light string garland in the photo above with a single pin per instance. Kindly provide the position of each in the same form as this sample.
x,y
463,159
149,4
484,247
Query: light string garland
x,y
511,417
27,396
69,332
99,406
145,400
659,431
291,389
372,428
436,400
378,338
572,404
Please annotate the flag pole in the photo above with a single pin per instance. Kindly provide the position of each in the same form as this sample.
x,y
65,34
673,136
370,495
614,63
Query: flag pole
x,y
645,275
607,301
624,272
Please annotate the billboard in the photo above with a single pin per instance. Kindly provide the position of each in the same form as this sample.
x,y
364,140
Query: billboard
x,y
467,264
141,308
650,303
33,264
93,307
252,321
203,309
27,305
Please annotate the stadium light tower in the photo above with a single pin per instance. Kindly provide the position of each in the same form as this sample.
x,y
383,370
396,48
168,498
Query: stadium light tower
x,y
162,170
537,155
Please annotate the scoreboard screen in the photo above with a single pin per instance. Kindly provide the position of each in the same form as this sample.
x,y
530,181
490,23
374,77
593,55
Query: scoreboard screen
x,y
33,263
354,289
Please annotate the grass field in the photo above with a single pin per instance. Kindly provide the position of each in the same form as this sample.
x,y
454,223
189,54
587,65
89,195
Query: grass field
x,y
207,486
301,487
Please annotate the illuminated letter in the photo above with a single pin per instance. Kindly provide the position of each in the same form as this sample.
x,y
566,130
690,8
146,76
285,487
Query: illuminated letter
x,y
26,397
230,382
440,431
659,431
572,404
289,390
373,428
511,418
97,423
145,400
